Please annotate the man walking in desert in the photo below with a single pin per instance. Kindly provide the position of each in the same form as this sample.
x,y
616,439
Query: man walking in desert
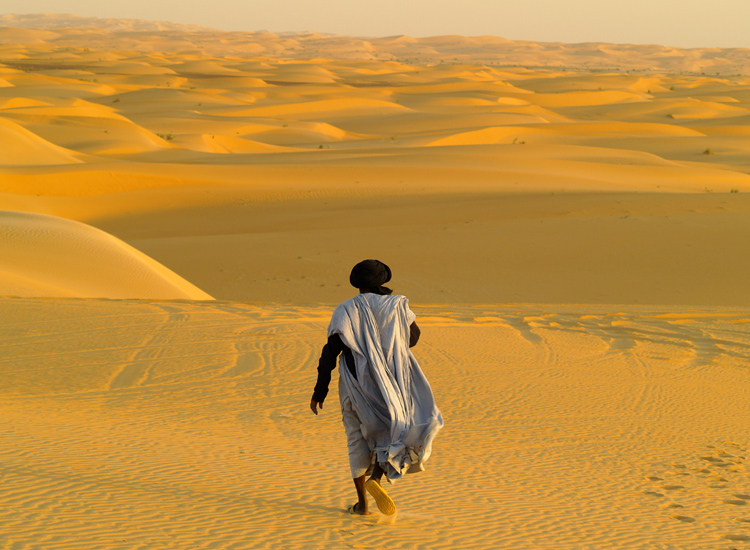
x,y
388,409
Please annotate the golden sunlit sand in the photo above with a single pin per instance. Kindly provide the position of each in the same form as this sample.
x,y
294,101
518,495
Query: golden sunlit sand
x,y
226,183
185,424
50,256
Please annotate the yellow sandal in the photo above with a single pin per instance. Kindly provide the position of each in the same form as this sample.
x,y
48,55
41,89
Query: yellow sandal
x,y
384,502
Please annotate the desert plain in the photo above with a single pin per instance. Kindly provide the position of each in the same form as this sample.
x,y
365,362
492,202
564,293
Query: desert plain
x,y
180,211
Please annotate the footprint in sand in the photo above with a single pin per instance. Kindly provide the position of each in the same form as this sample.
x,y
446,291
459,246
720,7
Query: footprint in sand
x,y
718,482
721,468
737,537
684,519
713,459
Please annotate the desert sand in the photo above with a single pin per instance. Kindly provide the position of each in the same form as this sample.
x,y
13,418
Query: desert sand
x,y
180,209
142,424
47,255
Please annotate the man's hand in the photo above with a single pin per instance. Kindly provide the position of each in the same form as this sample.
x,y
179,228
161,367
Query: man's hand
x,y
314,406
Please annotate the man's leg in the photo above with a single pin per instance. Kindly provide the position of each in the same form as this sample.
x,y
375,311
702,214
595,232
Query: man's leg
x,y
361,506
377,473
359,455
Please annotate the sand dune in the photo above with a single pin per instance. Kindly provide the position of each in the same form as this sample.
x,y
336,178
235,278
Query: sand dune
x,y
50,256
24,148
203,67
132,68
335,107
209,143
579,99
277,165
62,107
18,102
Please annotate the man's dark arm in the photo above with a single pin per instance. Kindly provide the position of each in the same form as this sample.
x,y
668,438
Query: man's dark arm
x,y
326,364
330,353
414,334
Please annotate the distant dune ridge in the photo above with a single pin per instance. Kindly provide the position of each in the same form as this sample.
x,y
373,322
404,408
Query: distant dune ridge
x,y
67,30
69,20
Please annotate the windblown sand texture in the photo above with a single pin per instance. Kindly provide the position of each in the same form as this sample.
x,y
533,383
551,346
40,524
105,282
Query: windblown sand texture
x,y
166,425
169,173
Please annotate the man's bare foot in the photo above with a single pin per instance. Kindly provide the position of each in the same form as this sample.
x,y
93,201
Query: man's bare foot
x,y
357,510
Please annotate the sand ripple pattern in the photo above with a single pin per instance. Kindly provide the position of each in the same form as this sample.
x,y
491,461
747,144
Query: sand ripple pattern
x,y
173,425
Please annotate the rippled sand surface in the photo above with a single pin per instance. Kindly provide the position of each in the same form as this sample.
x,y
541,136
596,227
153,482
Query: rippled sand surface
x,y
172,424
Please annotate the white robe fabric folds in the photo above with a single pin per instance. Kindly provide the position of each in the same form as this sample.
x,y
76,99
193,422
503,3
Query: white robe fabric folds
x,y
391,396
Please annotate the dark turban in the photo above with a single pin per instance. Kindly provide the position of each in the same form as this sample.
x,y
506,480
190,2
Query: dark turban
x,y
371,275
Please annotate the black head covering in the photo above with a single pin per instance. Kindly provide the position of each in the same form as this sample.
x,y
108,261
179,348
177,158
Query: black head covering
x,y
371,275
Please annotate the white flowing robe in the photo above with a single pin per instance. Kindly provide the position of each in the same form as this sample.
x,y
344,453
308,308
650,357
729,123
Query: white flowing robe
x,y
390,394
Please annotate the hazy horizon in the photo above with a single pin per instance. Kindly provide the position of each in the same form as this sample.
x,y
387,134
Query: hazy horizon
x,y
685,24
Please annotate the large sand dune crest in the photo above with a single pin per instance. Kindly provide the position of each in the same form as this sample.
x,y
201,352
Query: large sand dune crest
x,y
23,148
50,256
